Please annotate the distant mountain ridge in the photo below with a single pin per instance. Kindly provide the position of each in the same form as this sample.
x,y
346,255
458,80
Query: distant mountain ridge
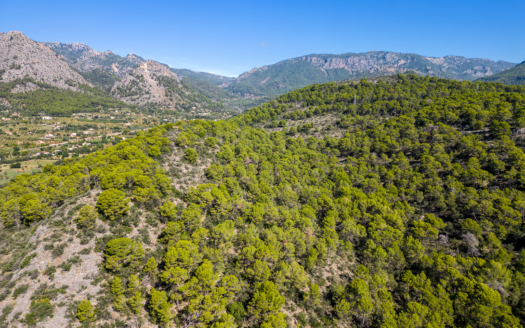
x,y
298,72
204,76
514,76
84,58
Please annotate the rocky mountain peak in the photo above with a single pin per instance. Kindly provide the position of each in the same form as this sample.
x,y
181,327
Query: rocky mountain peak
x,y
131,57
21,56
75,47
84,58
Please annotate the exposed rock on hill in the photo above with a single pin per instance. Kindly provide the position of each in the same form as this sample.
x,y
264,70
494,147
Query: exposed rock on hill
x,y
20,57
155,84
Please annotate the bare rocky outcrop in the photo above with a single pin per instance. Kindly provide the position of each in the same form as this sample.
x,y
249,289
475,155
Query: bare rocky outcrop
x,y
151,83
5,103
21,56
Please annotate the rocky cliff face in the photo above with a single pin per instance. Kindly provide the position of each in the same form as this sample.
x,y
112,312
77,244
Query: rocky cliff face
x,y
84,58
20,57
151,83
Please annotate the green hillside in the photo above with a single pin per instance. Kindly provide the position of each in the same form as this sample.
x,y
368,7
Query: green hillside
x,y
208,89
404,209
57,102
101,78
513,76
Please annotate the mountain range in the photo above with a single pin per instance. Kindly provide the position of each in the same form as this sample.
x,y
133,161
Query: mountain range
x,y
294,73
298,72
136,81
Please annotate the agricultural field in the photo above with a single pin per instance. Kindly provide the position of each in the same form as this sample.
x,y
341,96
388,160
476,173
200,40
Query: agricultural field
x,y
32,166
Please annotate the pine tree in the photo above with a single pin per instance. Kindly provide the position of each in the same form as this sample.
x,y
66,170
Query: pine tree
x,y
85,311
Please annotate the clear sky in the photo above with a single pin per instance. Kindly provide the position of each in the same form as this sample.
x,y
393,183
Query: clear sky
x,y
230,37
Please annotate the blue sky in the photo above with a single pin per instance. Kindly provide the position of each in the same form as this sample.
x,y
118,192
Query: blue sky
x,y
233,37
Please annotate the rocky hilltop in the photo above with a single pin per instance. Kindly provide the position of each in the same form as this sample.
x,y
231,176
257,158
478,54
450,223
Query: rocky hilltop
x,y
84,58
21,56
152,83
298,72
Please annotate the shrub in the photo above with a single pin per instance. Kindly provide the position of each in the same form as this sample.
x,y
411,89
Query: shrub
x,y
22,289
59,250
191,155
39,310
87,216
50,270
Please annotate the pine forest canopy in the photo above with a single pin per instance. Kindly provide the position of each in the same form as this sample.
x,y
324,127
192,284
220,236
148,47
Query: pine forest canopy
x,y
407,211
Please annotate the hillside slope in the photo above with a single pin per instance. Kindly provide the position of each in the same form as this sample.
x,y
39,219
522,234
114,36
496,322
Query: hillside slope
x,y
23,57
405,207
512,76
154,84
298,72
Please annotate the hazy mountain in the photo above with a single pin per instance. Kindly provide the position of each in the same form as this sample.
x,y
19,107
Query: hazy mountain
x,y
302,71
21,57
213,78
515,76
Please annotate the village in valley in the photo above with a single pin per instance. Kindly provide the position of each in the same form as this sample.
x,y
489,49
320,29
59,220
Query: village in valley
x,y
28,143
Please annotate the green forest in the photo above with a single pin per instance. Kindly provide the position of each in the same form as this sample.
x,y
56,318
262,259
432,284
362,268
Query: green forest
x,y
57,102
407,212
101,78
